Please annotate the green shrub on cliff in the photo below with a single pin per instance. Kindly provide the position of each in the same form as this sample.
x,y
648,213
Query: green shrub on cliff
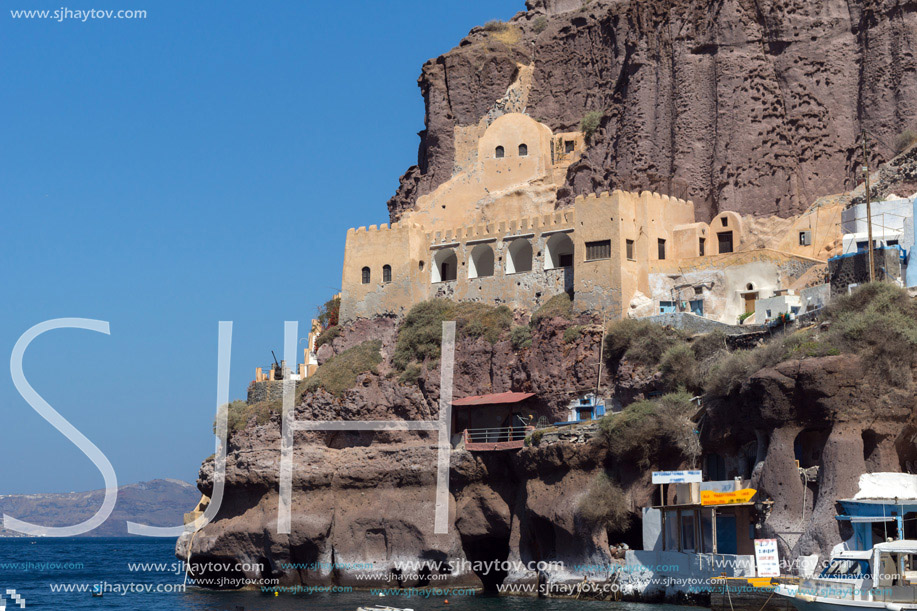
x,y
340,372
521,337
420,335
645,429
540,24
559,305
904,140
640,341
240,413
590,123
571,334
605,504
679,367
877,321
327,336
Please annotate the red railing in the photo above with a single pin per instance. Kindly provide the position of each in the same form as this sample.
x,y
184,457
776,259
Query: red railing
x,y
503,438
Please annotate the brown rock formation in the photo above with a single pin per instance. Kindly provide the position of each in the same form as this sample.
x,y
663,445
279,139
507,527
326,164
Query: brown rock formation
x,y
826,412
365,499
752,106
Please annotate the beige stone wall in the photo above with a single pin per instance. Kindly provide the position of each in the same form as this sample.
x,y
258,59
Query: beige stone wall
x,y
402,248
495,206
644,219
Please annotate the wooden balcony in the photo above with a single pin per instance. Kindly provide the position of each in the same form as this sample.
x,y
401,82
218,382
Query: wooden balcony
x,y
490,440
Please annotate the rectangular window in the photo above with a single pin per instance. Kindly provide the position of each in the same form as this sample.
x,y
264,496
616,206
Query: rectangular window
x,y
703,243
805,238
569,145
725,241
687,532
629,249
725,221
598,250
661,249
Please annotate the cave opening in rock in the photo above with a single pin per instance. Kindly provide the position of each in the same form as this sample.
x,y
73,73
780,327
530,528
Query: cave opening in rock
x,y
304,554
217,572
808,447
907,450
871,454
267,571
484,553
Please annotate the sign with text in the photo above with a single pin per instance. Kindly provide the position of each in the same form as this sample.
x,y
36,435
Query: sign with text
x,y
708,497
767,558
677,477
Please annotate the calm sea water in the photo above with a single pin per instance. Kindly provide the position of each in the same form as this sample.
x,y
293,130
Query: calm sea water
x,y
34,567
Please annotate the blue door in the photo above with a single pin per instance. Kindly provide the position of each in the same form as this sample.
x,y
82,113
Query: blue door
x,y
697,307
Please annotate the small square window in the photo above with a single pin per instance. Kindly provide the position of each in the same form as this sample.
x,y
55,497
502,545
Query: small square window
x,y
725,220
698,290
598,250
805,238
569,146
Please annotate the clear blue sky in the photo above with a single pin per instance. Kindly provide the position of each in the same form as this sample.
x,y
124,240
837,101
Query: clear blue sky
x,y
164,174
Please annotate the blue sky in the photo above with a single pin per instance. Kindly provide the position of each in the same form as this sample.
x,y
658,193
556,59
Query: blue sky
x,y
164,174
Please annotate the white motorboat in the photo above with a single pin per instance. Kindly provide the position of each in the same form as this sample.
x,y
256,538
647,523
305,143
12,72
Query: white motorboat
x,y
884,577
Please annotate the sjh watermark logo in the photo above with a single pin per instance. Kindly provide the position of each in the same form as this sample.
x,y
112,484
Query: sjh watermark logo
x,y
289,424
16,599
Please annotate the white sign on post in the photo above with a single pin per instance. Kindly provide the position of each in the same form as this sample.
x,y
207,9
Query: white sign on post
x,y
677,477
767,558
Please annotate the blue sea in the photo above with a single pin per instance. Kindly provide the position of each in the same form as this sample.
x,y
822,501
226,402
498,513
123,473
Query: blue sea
x,y
48,573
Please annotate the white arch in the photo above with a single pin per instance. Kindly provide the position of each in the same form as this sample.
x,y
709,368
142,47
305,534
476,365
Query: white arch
x,y
519,256
445,266
481,262
559,247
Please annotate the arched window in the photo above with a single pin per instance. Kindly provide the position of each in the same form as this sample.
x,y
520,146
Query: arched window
x,y
520,256
445,266
366,275
499,152
523,150
386,273
481,263
560,251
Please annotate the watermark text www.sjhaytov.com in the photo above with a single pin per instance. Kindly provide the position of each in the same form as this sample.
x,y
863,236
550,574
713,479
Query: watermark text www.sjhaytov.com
x,y
67,14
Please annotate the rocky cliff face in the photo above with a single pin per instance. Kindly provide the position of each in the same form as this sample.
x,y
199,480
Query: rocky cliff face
x,y
367,498
363,502
834,418
754,106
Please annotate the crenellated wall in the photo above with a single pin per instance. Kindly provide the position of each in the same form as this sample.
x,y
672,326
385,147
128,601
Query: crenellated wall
x,y
493,234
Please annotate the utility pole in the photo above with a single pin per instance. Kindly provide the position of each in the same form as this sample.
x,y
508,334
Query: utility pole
x,y
598,381
872,267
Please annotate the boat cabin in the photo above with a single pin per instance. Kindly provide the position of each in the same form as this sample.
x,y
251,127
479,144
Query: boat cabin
x,y
874,521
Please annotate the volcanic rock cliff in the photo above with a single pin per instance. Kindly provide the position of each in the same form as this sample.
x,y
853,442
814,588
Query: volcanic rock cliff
x,y
755,106
363,502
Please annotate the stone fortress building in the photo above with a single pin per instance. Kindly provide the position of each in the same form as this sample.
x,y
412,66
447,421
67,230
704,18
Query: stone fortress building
x,y
493,233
